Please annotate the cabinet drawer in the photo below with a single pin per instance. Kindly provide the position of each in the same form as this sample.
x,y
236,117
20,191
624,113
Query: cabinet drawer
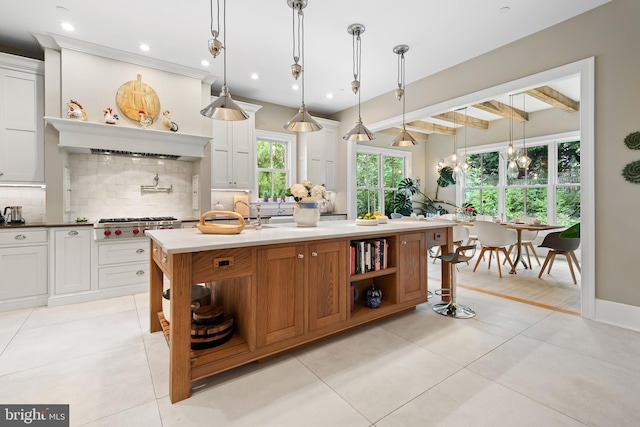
x,y
23,237
436,237
222,264
123,252
161,257
123,275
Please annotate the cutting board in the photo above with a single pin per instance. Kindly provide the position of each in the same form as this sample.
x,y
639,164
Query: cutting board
x,y
134,96
239,207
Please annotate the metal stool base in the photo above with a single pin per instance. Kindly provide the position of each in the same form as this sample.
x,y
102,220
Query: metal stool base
x,y
451,309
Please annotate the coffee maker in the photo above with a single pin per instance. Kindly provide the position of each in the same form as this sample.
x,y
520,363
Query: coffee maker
x,y
14,216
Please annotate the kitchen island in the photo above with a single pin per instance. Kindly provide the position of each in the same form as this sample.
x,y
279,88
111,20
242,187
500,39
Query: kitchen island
x,y
285,286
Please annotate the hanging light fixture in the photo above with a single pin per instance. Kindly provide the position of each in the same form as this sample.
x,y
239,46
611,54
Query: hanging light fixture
x,y
223,108
465,165
453,158
359,131
524,160
301,122
403,139
512,168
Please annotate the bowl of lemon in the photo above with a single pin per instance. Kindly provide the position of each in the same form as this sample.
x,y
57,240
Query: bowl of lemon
x,y
366,219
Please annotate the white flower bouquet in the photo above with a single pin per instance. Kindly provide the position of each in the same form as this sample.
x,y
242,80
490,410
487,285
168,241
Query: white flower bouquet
x,y
307,189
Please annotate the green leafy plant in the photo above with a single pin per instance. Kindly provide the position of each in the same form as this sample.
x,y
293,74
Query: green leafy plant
x,y
403,201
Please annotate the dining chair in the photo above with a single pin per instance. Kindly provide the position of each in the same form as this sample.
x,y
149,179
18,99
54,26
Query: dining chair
x,y
558,246
494,238
473,238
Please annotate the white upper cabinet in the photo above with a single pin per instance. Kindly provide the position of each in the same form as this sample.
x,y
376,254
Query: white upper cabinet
x,y
21,124
233,151
321,153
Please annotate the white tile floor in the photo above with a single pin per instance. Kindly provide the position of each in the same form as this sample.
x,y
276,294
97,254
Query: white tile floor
x,y
512,365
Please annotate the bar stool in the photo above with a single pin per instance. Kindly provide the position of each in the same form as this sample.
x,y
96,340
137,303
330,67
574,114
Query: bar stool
x,y
452,308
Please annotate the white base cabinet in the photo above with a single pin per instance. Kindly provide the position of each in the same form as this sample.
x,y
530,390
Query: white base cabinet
x,y
23,268
123,264
72,260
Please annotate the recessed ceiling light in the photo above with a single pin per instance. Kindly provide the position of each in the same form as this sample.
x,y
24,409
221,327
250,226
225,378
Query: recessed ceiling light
x,y
67,26
204,63
504,9
295,87
145,47
329,95
255,76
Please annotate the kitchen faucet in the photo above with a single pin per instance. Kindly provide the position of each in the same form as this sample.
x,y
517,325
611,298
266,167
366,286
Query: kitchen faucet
x,y
257,223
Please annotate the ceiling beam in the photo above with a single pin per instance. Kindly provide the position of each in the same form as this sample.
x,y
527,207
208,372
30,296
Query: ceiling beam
x,y
463,119
395,131
503,110
432,127
554,98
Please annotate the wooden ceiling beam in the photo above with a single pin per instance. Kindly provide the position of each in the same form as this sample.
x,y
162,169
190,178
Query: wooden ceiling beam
x,y
554,98
432,127
503,110
462,119
395,131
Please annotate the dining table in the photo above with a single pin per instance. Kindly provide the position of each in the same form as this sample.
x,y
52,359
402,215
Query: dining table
x,y
518,227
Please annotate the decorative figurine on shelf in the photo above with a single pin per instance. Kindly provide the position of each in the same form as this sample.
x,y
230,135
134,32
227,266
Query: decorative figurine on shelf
x,y
109,117
374,297
168,124
144,119
76,111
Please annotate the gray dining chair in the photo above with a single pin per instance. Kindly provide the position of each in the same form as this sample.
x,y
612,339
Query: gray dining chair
x,y
558,246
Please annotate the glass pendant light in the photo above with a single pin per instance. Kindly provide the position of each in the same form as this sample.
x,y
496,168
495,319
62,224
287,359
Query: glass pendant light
x,y
524,160
223,108
403,139
359,132
302,121
512,166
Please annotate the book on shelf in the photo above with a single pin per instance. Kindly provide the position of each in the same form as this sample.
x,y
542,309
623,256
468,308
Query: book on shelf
x,y
368,255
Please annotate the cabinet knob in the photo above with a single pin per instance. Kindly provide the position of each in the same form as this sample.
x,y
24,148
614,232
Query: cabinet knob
x,y
403,242
1,173
164,258
20,237
300,256
314,253
139,272
73,233
155,249
140,251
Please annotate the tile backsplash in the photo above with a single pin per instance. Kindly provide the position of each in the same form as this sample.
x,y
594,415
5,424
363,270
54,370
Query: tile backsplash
x,y
103,186
32,200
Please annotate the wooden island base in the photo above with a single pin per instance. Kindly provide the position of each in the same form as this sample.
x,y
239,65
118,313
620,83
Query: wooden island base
x,y
283,295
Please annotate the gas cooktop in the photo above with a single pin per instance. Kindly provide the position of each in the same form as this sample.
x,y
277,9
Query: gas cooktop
x,y
138,219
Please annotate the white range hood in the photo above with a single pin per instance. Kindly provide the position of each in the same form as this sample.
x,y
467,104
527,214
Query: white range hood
x,y
78,136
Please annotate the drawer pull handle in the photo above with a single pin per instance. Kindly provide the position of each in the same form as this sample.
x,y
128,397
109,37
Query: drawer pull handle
x,y
300,256
404,242
140,251
140,272
20,237
223,262
73,233
314,253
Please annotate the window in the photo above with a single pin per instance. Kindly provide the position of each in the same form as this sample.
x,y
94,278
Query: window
x,y
378,173
548,190
275,166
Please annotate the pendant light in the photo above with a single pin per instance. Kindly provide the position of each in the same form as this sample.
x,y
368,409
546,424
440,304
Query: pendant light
x,y
455,163
465,165
301,122
512,167
359,131
223,108
524,160
403,139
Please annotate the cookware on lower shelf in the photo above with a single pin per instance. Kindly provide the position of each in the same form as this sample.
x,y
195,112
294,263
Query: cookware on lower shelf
x,y
209,336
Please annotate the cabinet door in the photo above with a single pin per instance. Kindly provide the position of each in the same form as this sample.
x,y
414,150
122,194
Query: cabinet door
x,y
221,153
327,284
280,294
412,266
21,139
243,167
72,261
24,271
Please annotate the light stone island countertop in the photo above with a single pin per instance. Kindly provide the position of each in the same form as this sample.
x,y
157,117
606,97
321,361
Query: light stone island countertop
x,y
192,240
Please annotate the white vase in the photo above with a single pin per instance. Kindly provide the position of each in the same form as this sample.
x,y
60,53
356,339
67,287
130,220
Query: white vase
x,y
306,212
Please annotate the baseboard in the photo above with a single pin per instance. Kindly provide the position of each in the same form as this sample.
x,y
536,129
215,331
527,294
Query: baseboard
x,y
616,314
96,295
